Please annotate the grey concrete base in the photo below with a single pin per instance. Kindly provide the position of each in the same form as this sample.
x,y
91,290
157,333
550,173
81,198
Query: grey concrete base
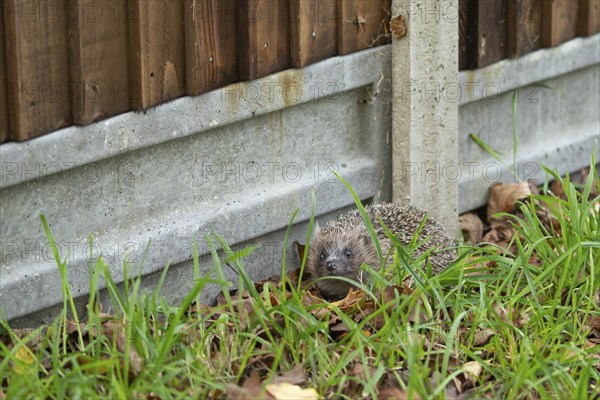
x,y
239,160
558,122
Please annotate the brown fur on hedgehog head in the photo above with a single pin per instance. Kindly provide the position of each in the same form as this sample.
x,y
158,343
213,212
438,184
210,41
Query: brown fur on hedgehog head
x,y
340,251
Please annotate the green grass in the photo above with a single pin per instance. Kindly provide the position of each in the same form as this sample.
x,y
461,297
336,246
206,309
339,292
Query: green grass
x,y
525,326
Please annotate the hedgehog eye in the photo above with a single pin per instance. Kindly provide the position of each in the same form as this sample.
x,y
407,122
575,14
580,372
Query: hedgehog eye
x,y
348,253
322,255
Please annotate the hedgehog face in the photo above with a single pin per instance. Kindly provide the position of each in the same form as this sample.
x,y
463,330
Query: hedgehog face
x,y
336,259
339,253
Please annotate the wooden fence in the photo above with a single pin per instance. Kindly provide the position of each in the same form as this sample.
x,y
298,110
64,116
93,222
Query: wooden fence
x,y
65,62
491,30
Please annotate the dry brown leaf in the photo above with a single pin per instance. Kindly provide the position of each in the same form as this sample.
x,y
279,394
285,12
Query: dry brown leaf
x,y
556,187
308,299
283,390
350,302
472,227
393,393
300,248
275,300
295,376
389,293
505,313
501,232
502,197
482,337
253,382
368,309
340,327
250,390
358,370
593,322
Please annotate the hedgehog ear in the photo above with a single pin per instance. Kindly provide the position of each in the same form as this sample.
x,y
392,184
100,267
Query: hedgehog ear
x,y
317,228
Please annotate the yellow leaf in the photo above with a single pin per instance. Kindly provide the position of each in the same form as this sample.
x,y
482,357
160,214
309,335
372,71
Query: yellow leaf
x,y
24,361
288,391
473,368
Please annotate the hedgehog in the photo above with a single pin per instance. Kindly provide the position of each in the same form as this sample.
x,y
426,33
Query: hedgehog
x,y
344,244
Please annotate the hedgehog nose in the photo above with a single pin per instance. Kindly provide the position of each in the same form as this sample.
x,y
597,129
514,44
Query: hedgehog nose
x,y
330,266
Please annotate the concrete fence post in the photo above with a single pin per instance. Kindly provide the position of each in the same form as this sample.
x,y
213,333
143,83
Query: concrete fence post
x,y
425,107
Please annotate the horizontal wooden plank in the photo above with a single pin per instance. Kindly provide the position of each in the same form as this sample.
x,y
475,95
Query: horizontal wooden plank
x,y
211,29
524,27
362,24
37,65
99,46
157,58
313,31
264,37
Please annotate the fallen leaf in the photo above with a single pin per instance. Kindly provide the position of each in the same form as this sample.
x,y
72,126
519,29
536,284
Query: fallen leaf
x,y
389,293
250,390
294,376
24,361
275,300
339,327
502,197
482,337
504,313
393,393
286,391
556,187
501,232
350,302
473,369
472,227
593,321
300,248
